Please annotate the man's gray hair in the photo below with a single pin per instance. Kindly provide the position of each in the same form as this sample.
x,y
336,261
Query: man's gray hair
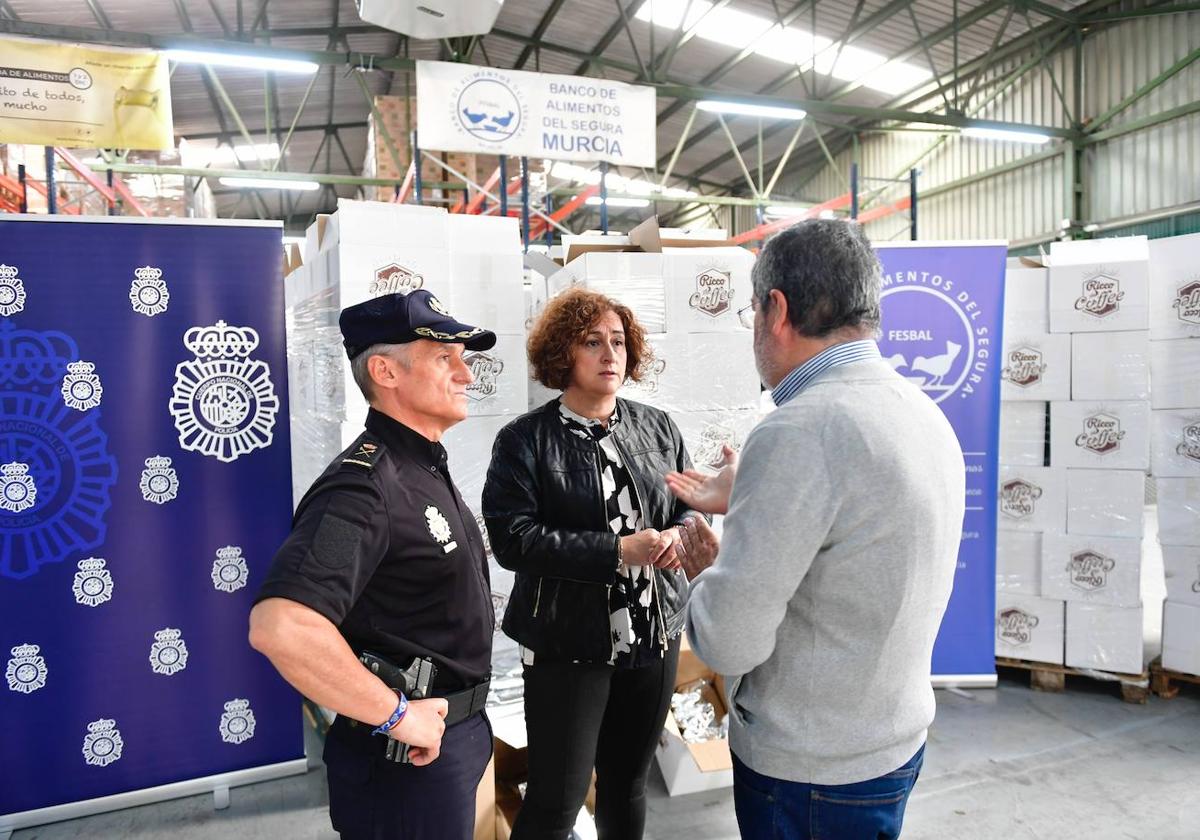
x,y
827,271
362,375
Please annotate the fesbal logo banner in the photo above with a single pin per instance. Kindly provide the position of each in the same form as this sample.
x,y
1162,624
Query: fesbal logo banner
x,y
466,108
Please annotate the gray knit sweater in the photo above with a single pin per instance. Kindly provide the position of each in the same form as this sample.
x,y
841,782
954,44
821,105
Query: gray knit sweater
x,y
836,563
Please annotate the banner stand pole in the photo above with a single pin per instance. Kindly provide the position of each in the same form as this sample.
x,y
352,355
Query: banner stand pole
x,y
604,197
51,189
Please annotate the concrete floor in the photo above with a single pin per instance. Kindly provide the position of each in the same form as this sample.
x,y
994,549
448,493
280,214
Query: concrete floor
x,y
1003,763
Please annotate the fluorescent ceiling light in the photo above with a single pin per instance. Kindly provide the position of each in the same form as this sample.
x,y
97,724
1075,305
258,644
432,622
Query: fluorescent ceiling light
x,y
246,154
614,181
1005,134
596,201
269,184
783,211
790,45
772,111
247,62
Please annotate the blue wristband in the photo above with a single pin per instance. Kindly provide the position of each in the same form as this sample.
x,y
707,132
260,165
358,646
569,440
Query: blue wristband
x,y
397,716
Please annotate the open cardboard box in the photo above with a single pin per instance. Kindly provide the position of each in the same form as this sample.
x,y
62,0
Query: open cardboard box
x,y
691,768
645,238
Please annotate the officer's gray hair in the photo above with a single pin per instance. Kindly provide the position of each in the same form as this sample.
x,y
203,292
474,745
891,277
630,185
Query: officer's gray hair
x,y
400,353
827,271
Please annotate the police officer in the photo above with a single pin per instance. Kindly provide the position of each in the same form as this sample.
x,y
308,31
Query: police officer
x,y
384,557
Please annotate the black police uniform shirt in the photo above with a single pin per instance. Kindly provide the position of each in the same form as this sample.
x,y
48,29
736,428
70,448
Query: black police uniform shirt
x,y
383,546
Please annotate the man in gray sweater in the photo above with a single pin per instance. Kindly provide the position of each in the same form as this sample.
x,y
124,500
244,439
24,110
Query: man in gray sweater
x,y
844,514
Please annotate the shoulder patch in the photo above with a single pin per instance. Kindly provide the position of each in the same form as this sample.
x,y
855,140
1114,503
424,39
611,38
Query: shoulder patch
x,y
364,453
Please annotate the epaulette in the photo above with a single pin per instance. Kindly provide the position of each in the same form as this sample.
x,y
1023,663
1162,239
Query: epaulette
x,y
365,452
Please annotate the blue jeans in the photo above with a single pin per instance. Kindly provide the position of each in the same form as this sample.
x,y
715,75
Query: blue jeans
x,y
775,809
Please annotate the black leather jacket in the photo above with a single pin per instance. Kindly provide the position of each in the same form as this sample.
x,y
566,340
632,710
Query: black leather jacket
x,y
545,515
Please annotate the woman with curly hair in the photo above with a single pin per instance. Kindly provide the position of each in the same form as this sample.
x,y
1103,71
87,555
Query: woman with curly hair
x,y
576,505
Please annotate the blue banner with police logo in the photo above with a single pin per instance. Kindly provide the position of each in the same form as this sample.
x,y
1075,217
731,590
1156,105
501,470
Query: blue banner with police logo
x,y
144,486
942,317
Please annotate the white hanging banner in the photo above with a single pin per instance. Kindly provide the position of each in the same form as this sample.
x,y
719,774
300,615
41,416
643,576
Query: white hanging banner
x,y
466,108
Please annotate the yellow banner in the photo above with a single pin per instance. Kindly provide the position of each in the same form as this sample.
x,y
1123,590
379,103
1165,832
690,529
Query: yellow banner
x,y
76,95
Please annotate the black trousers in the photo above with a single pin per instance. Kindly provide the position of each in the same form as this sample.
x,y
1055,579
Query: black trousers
x,y
371,798
584,716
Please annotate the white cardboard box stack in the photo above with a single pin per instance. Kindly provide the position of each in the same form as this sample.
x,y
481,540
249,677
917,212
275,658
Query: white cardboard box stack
x,y
1032,497
1175,439
1100,438
686,297
473,264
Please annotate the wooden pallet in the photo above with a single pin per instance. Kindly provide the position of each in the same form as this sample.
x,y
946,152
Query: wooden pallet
x,y
1165,683
1045,676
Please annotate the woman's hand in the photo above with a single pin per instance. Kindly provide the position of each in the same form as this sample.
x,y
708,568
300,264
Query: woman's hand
x,y
648,547
669,559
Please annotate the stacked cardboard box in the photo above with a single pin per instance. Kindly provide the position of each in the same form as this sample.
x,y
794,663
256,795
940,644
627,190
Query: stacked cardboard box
x,y
686,295
1175,439
394,121
1099,436
473,265
1032,496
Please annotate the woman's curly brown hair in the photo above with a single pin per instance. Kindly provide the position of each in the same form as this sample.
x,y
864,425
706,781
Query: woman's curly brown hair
x,y
565,323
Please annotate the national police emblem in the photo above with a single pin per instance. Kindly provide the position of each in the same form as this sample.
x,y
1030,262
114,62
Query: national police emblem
x,y
237,722
18,490
148,293
12,291
26,670
223,402
159,482
93,583
439,529
103,743
81,388
56,473
229,572
169,653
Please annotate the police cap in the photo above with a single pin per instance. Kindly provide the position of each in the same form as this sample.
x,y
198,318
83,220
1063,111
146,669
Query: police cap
x,y
399,319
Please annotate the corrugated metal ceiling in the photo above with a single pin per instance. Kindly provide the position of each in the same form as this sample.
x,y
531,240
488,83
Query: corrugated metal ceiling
x,y
577,26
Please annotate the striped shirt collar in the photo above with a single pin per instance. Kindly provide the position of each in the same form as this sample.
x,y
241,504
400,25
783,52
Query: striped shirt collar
x,y
839,354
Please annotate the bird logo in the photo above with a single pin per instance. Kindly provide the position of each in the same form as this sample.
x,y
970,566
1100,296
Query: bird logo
x,y
927,337
488,108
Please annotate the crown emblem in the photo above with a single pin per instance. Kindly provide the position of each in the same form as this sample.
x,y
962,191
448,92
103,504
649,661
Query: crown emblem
x,y
148,273
14,470
169,653
93,584
26,671
12,291
221,339
229,570
237,722
103,743
159,484
18,491
81,388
